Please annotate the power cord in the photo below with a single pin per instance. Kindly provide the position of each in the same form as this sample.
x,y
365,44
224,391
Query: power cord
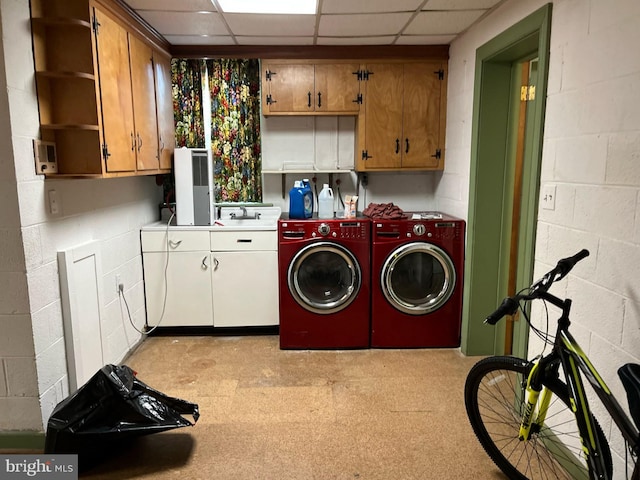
x,y
166,288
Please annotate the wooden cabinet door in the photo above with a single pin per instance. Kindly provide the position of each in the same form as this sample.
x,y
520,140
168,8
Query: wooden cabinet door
x,y
115,94
144,104
291,88
383,100
336,88
421,116
164,102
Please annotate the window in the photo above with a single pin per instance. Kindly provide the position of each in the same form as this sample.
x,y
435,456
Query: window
x,y
217,105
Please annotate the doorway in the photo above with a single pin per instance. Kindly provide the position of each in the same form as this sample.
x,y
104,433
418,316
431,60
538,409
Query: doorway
x,y
503,194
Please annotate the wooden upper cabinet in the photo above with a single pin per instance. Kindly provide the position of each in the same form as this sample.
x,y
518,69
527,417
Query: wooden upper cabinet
x,y
382,117
144,104
112,47
290,88
97,95
402,125
164,103
337,87
308,88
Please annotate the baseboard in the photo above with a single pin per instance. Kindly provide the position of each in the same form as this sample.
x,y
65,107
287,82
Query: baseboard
x,y
22,442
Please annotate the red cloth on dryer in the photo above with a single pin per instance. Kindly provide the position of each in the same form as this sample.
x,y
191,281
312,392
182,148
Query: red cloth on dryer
x,y
383,211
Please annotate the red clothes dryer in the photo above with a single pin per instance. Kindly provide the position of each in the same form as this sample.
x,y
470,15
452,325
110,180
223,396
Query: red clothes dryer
x,y
416,289
324,273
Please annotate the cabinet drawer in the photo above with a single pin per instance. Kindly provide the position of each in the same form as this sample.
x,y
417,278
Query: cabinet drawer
x,y
179,241
242,241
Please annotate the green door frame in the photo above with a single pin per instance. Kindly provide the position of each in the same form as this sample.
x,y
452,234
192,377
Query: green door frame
x,y
487,258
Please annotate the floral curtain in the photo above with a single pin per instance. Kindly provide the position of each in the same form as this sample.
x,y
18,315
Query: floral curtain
x,y
186,80
235,129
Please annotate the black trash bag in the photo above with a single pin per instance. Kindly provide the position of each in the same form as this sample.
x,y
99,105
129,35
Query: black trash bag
x,y
111,408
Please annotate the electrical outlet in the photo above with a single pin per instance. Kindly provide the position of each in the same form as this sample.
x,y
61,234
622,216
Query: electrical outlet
x,y
118,282
54,203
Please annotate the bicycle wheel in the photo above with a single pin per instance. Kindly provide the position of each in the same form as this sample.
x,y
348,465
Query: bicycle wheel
x,y
495,397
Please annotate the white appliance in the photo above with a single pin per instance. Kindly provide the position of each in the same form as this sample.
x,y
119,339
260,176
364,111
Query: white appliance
x,y
193,169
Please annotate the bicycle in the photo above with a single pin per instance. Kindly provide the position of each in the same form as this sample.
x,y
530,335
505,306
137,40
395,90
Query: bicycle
x,y
532,422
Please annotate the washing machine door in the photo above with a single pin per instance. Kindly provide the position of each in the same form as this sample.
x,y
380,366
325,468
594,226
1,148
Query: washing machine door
x,y
418,278
324,277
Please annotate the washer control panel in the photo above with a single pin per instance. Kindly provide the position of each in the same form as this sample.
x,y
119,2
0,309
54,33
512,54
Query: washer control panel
x,y
331,229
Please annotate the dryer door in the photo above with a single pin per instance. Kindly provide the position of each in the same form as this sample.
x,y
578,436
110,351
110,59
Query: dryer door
x,y
418,278
324,277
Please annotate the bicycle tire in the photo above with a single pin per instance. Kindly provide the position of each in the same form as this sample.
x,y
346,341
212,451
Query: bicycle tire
x,y
494,398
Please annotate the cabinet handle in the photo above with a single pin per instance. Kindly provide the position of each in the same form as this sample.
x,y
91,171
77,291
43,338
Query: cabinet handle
x,y
204,263
133,142
397,146
173,244
309,104
319,99
139,141
407,149
243,240
216,263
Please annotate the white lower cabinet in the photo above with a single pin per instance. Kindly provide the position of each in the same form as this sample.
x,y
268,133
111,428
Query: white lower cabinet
x,y
212,278
178,293
245,292
244,278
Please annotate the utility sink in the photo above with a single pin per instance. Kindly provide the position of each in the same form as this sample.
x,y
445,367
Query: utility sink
x,y
249,218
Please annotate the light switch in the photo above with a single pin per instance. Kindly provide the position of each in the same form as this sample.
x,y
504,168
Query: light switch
x,y
549,197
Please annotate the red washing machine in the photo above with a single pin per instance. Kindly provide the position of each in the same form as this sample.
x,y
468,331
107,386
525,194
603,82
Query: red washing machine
x,y
324,272
416,293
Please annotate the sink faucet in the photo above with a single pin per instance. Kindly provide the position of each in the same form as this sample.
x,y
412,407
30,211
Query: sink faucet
x,y
244,211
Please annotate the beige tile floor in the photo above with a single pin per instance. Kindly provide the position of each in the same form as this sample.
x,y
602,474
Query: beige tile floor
x,y
269,414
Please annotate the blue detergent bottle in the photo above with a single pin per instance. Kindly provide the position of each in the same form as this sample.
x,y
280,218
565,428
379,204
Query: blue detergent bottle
x,y
297,200
308,198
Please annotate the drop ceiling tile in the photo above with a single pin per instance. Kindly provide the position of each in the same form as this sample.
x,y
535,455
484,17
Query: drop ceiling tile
x,y
274,25
460,4
369,6
199,40
172,5
367,25
442,23
425,39
242,40
384,40
192,23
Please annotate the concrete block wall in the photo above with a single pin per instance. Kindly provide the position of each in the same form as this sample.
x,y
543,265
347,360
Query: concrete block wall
x,y
33,370
591,154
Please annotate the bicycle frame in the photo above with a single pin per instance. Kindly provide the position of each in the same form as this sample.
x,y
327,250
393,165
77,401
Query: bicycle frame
x,y
568,353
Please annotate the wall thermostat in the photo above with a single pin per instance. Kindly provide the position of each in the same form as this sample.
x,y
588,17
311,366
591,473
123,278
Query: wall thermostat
x,y
46,159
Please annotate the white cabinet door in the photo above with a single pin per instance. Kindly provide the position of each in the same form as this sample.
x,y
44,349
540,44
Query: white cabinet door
x,y
245,288
188,287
